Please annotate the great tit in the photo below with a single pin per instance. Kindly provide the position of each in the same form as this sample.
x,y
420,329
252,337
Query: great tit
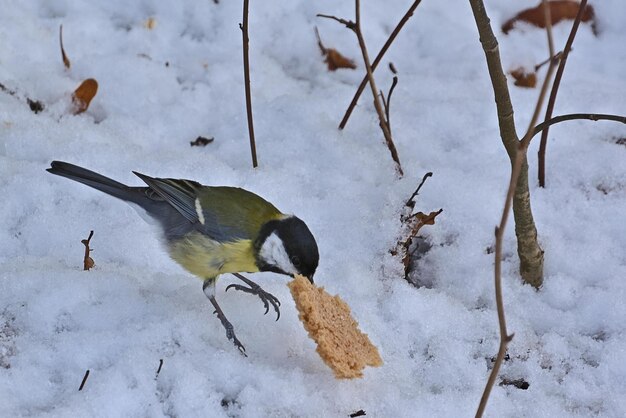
x,y
212,230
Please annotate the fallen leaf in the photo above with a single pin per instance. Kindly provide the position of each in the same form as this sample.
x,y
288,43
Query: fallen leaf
x,y
559,10
524,78
201,141
332,57
335,60
89,263
66,60
83,94
426,219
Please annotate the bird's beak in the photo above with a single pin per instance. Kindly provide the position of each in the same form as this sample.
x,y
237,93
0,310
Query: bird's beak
x,y
311,279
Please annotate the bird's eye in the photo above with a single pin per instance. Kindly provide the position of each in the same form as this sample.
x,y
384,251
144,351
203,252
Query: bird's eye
x,y
295,260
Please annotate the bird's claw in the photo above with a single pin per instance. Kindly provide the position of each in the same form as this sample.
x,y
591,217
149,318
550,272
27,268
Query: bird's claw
x,y
266,297
230,334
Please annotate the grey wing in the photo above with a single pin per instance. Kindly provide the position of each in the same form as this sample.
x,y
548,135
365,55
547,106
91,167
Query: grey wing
x,y
182,195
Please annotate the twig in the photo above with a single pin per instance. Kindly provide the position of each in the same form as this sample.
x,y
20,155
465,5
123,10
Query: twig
x,y
520,157
411,203
541,174
581,116
387,103
66,60
82,384
542,63
356,28
159,369
87,260
246,75
377,60
319,41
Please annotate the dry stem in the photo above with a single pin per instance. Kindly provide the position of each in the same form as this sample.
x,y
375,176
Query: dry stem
x,y
387,102
572,116
82,384
246,76
517,170
555,88
159,369
356,28
377,60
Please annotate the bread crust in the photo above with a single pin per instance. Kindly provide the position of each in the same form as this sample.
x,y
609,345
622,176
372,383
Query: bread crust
x,y
327,319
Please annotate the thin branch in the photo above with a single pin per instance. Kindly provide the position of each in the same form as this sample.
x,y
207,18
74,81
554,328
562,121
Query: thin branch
x,y
555,88
372,82
377,60
66,60
159,369
388,101
557,56
347,23
246,76
82,384
573,116
520,157
411,203
356,28
319,41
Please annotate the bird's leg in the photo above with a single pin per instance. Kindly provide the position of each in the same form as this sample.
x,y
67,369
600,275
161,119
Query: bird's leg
x,y
209,290
254,289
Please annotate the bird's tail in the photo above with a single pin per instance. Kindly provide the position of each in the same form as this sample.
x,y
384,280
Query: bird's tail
x,y
95,180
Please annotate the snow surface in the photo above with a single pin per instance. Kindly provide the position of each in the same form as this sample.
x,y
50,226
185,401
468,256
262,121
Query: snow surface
x,y
137,306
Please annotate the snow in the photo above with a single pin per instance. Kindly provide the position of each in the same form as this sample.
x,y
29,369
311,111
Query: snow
x,y
137,306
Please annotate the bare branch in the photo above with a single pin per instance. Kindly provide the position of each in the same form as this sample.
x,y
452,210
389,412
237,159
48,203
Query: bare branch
x,y
555,88
557,56
347,23
82,384
159,369
388,101
580,116
66,60
246,76
411,202
377,60
520,158
356,28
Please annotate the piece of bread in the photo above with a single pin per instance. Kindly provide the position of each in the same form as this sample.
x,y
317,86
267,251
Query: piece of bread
x,y
340,343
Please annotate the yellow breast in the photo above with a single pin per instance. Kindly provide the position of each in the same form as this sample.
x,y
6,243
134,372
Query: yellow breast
x,y
207,258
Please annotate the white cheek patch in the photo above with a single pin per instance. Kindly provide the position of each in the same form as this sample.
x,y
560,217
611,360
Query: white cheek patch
x,y
273,252
199,211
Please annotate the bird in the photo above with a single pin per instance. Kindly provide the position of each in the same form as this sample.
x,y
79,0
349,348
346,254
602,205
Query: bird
x,y
214,230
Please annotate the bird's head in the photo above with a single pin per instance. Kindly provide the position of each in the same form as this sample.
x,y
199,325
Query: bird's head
x,y
286,246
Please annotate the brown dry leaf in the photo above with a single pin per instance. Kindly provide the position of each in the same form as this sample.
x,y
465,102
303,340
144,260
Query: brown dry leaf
x,y
524,78
426,219
335,60
332,57
150,23
83,94
89,263
66,60
559,10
